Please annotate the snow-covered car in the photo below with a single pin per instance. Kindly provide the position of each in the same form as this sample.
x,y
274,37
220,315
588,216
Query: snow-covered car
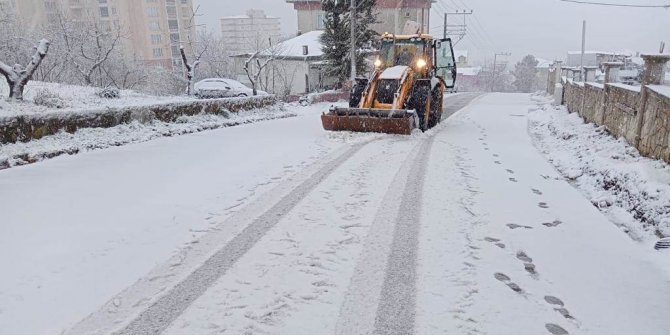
x,y
222,88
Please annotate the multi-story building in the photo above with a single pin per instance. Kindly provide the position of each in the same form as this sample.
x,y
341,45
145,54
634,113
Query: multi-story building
x,y
251,32
391,14
153,30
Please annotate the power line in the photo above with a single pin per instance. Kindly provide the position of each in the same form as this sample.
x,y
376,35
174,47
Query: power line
x,y
616,4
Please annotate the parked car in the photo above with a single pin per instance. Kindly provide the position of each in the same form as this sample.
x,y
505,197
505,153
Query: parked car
x,y
222,88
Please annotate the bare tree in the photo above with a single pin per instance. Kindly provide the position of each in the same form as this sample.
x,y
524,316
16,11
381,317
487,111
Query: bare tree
x,y
18,76
254,72
196,49
90,49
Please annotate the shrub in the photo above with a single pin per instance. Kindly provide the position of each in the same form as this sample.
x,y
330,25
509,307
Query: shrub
x,y
109,93
46,98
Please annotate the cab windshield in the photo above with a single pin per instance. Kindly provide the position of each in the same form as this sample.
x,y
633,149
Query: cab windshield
x,y
401,52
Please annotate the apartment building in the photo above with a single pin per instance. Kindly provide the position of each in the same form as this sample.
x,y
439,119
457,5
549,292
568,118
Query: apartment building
x,y
153,30
391,14
251,32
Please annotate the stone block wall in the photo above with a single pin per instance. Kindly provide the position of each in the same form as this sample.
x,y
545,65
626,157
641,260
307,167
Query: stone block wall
x,y
594,101
655,134
621,113
640,115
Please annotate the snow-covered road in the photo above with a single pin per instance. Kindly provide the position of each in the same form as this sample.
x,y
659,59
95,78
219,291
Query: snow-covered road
x,y
465,229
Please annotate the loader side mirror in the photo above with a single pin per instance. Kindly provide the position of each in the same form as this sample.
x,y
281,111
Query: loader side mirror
x,y
445,61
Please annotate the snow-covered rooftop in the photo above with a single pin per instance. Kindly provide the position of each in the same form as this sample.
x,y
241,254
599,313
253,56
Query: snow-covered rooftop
x,y
469,71
660,89
624,53
543,63
294,48
459,53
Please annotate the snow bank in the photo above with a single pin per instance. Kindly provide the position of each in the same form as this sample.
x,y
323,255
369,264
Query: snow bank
x,y
633,191
77,98
87,139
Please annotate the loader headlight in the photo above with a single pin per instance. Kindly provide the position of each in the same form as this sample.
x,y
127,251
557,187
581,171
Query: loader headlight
x,y
421,63
378,62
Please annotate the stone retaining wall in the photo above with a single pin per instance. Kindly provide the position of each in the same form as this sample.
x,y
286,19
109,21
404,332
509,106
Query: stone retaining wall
x,y
24,128
621,112
655,139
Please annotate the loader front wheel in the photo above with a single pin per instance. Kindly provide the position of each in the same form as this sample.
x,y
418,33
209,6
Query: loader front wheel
x,y
420,101
435,108
357,92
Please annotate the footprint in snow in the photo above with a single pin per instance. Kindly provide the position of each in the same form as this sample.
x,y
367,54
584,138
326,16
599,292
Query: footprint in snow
x,y
543,205
515,226
495,241
510,171
552,224
555,329
498,162
508,281
527,262
513,180
496,155
536,191
523,257
560,309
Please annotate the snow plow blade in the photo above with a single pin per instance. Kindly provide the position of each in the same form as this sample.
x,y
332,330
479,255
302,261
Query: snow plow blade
x,y
366,120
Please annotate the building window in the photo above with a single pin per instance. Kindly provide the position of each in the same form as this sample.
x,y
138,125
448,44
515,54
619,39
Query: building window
x,y
176,51
158,52
104,12
152,12
320,21
154,26
172,12
156,39
174,37
173,24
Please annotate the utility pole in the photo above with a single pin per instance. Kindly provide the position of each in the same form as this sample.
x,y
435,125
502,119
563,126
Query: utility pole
x,y
352,18
459,29
581,61
495,62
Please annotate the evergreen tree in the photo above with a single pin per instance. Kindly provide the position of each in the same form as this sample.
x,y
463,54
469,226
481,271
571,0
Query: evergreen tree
x,y
337,34
525,74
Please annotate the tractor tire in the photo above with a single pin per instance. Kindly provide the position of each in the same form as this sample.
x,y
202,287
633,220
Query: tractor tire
x,y
420,101
357,93
436,108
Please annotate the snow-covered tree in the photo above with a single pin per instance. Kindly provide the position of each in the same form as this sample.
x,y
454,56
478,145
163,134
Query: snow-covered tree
x,y
18,75
336,38
525,74
89,47
254,68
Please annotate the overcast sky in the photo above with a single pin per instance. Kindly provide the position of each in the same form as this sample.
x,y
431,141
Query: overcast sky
x,y
544,28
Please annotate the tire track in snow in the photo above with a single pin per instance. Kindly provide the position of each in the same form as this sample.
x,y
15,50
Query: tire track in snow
x,y
396,310
363,300
159,315
358,311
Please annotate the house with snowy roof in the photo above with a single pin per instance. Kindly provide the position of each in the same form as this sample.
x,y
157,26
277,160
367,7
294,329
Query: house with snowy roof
x,y
296,66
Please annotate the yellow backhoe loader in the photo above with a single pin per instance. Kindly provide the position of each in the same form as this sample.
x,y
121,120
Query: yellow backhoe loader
x,y
406,91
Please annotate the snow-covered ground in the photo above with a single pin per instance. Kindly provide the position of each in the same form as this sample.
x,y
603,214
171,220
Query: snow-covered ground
x,y
87,139
78,229
633,191
282,228
78,98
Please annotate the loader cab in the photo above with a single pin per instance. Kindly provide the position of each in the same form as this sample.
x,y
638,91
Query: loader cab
x,y
421,52
445,61
412,51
